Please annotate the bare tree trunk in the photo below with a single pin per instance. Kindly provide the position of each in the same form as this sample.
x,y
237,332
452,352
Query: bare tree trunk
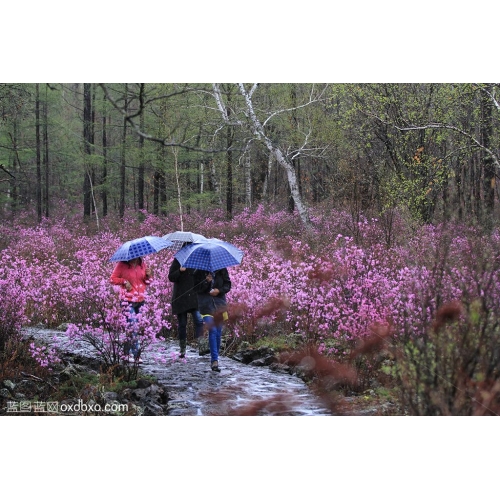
x,y
229,162
248,180
188,187
46,152
459,187
296,161
201,182
214,182
468,178
38,156
179,199
229,173
163,194
476,186
159,173
140,180
291,201
156,192
488,164
123,152
15,167
87,138
105,160
92,150
267,178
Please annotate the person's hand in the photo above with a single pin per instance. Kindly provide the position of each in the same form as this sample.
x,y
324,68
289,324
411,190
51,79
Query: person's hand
x,y
128,286
209,278
214,292
182,269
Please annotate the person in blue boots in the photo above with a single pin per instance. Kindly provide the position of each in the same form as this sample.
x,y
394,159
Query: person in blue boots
x,y
212,288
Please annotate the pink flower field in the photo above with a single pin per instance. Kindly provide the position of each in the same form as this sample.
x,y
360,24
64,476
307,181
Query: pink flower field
x,y
328,286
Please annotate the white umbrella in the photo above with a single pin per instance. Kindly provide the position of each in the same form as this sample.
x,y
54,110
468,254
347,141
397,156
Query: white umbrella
x,y
178,238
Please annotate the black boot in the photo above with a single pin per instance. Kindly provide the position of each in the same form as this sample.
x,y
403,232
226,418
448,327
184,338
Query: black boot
x,y
182,343
215,366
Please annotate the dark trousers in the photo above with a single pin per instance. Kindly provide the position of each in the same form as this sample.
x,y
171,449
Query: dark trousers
x,y
182,324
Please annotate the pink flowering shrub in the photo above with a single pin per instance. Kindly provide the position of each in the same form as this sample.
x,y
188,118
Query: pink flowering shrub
x,y
12,311
320,285
44,355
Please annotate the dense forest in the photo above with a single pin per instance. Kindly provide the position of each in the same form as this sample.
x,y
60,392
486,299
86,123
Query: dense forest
x,y
428,150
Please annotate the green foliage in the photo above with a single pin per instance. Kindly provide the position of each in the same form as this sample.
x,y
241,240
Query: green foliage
x,y
74,386
85,384
280,342
415,190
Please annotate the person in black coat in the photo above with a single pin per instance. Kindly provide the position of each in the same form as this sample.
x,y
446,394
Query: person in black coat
x,y
184,302
212,304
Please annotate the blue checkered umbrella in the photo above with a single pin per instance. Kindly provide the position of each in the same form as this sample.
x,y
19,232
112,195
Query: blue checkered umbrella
x,y
140,247
210,255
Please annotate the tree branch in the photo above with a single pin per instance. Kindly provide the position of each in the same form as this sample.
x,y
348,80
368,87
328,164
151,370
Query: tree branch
x,y
136,128
2,167
490,95
288,110
456,129
441,126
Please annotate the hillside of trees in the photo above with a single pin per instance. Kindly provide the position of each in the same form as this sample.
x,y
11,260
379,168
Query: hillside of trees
x,y
427,150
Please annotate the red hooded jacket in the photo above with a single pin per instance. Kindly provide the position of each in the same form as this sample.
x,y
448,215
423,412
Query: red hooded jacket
x,y
135,275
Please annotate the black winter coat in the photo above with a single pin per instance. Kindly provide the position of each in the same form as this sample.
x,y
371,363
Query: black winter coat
x,y
184,294
206,303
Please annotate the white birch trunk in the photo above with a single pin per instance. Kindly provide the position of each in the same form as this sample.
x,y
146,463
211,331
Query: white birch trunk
x,y
280,157
179,199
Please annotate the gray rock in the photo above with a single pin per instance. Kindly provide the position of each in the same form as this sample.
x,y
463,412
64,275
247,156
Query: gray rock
x,y
4,393
69,372
29,386
153,409
110,397
142,383
280,368
8,384
258,362
247,356
138,394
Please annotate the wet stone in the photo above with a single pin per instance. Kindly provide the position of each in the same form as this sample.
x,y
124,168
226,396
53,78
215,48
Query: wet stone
x,y
188,386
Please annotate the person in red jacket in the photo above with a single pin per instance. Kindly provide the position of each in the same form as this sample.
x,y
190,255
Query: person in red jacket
x,y
132,277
